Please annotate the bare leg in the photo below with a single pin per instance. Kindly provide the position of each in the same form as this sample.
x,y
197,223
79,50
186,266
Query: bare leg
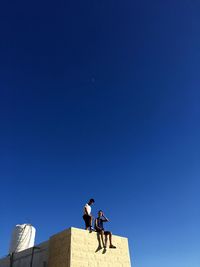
x,y
99,242
110,239
102,238
106,240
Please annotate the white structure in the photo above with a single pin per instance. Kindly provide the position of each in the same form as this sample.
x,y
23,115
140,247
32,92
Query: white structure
x,y
23,237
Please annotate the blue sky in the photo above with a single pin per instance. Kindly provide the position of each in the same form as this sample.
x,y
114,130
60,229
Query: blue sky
x,y
101,99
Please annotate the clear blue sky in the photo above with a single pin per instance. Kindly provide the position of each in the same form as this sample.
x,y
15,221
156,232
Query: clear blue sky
x,y
102,99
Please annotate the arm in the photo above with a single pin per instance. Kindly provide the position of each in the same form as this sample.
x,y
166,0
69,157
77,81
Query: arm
x,y
105,218
86,212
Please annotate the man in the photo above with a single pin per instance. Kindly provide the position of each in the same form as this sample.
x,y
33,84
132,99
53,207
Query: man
x,y
87,216
100,229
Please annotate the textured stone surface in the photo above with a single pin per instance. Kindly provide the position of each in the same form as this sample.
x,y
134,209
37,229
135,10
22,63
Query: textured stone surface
x,y
59,249
74,248
79,248
85,253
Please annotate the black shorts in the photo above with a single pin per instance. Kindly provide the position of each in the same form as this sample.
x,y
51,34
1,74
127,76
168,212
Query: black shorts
x,y
87,219
105,232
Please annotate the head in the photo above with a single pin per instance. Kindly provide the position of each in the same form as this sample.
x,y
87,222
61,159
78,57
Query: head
x,y
100,213
91,202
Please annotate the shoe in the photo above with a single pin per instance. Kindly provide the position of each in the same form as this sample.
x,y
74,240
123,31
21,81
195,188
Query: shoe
x,y
112,246
92,230
99,248
104,251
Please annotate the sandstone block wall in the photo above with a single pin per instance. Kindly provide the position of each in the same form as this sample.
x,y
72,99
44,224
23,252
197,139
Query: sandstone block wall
x,y
74,248
85,252
79,248
59,249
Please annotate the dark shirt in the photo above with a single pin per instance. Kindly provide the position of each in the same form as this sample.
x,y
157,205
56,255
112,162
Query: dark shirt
x,y
100,222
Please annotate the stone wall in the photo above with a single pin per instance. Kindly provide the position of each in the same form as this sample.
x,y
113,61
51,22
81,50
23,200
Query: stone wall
x,y
85,251
74,248
23,258
59,249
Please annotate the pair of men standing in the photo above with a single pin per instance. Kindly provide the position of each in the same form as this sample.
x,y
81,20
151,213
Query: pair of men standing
x,y
98,225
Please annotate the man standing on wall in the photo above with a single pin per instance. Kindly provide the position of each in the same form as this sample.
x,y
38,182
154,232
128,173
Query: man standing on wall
x,y
87,215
